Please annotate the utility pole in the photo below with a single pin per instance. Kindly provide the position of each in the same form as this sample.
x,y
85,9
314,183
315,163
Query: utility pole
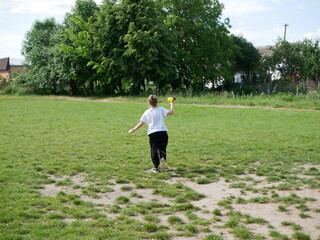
x,y
285,31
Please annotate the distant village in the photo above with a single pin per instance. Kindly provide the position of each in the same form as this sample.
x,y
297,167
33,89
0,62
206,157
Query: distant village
x,y
9,67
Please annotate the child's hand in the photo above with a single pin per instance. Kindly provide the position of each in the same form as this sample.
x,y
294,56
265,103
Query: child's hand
x,y
131,131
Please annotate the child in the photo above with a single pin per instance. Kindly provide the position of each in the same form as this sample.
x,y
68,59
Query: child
x,y
157,131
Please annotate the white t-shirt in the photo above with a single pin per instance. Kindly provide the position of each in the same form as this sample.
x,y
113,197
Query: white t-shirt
x,y
154,117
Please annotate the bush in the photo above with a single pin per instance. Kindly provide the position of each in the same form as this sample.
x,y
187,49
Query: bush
x,y
3,83
313,95
15,90
17,86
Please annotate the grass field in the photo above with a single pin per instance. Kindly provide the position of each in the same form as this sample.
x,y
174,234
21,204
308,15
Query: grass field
x,y
311,100
70,170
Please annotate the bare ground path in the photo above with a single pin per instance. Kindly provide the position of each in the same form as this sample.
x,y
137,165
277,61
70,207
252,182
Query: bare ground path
x,y
107,100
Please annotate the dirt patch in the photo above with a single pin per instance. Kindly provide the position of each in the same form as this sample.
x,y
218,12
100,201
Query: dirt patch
x,y
239,201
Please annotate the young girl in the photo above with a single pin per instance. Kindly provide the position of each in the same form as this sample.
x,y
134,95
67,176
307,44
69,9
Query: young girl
x,y
157,131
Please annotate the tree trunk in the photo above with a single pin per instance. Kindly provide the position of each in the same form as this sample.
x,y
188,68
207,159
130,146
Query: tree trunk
x,y
74,87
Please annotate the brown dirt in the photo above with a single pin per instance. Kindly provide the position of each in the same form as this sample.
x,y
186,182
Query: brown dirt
x,y
214,192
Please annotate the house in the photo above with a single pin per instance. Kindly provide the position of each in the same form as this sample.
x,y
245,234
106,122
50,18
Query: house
x,y
4,68
266,51
8,67
239,77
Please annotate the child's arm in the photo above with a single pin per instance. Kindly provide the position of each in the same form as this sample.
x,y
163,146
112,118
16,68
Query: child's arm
x,y
140,124
171,111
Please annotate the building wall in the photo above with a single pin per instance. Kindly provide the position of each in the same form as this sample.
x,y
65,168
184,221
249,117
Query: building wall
x,y
4,75
311,84
10,73
16,69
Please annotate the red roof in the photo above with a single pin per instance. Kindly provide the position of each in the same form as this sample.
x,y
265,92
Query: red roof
x,y
4,64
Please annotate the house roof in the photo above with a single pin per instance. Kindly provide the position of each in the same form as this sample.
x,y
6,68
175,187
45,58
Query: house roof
x,y
4,64
265,51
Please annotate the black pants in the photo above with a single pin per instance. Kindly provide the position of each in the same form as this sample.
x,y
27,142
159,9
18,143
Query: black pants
x,y
158,146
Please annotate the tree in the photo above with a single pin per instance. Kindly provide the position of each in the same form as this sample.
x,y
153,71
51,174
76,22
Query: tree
x,y
201,44
41,51
147,45
295,62
310,50
78,46
108,42
134,45
287,59
246,57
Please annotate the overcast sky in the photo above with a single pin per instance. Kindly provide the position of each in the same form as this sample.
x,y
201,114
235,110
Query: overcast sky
x,y
259,21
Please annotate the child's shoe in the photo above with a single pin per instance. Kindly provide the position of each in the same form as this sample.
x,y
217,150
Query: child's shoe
x,y
163,165
155,170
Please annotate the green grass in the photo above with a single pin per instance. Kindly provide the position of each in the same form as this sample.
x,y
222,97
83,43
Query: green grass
x,y
151,218
280,100
295,227
41,137
217,212
241,232
300,236
214,237
282,208
175,220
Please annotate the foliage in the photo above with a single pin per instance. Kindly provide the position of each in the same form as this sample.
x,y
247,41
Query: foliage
x,y
134,45
310,50
155,46
77,45
247,58
201,44
124,46
296,61
41,52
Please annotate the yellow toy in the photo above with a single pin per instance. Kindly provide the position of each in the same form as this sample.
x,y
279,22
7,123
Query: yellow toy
x,y
171,99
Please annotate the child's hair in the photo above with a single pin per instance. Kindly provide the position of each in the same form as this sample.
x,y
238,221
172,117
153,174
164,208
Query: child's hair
x,y
153,100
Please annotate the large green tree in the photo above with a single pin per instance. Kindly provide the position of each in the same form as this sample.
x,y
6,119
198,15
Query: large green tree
x,y
246,57
286,60
310,50
148,52
296,61
201,43
134,45
78,46
108,42
43,57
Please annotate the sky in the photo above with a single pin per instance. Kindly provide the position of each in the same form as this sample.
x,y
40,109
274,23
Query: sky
x,y
261,22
